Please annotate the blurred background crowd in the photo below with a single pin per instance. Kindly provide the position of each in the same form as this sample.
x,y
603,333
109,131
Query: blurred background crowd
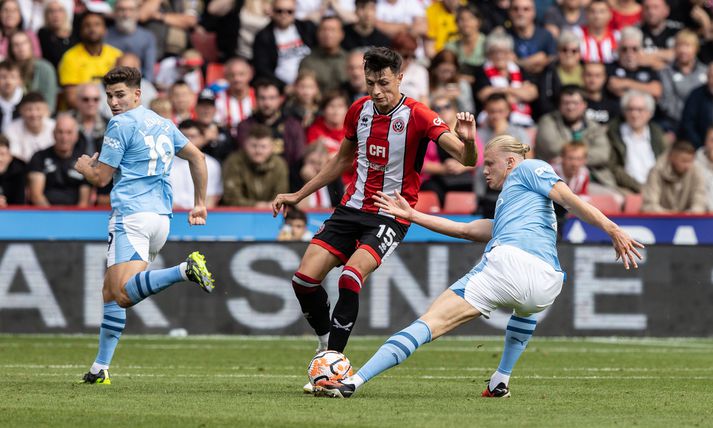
x,y
617,95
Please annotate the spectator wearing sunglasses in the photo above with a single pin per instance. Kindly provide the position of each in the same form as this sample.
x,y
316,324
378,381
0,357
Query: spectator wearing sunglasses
x,y
627,73
565,70
91,124
280,46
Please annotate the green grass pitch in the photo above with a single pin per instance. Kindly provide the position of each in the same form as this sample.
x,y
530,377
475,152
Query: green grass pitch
x,y
253,382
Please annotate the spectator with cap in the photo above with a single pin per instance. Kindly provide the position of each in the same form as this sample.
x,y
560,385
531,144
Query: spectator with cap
x,y
287,132
698,112
171,21
56,36
32,131
280,46
363,33
127,35
10,93
38,75
52,177
12,176
89,60
219,143
327,59
237,102
676,183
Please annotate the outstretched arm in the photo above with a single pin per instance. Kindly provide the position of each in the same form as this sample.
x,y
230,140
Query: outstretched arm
x,y
476,231
624,245
462,145
332,170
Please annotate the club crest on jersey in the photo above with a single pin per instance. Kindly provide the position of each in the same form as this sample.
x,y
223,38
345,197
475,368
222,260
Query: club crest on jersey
x,y
438,121
398,125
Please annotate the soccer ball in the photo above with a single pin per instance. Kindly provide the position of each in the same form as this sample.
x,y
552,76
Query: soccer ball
x,y
328,365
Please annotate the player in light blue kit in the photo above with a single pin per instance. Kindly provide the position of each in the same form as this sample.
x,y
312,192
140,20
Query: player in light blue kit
x,y
137,152
519,269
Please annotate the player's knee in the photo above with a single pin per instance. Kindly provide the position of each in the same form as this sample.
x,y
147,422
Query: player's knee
x,y
124,301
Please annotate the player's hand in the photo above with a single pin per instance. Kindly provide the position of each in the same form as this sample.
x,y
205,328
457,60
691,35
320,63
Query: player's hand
x,y
397,206
282,200
85,163
626,248
198,216
465,126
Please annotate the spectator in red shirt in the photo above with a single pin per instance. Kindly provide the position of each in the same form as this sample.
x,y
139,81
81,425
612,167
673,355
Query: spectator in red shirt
x,y
329,125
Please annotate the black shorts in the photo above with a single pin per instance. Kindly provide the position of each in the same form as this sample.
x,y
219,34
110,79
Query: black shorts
x,y
349,229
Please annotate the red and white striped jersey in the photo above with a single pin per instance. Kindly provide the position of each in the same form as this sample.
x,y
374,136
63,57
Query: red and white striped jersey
x,y
230,111
390,150
603,50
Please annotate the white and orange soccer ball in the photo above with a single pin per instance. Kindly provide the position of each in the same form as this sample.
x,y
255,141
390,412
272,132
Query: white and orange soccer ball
x,y
329,365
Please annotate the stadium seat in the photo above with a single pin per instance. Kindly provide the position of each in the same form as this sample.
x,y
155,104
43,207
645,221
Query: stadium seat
x,y
205,43
214,71
633,203
428,202
460,203
606,203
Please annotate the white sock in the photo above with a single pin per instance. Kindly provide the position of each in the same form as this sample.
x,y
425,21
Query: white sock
x,y
96,368
183,267
498,378
323,341
355,380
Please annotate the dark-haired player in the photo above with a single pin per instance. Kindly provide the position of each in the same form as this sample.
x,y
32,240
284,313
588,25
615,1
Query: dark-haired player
x,y
386,138
137,152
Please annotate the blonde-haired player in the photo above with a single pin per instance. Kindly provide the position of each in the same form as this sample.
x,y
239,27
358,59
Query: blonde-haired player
x,y
519,269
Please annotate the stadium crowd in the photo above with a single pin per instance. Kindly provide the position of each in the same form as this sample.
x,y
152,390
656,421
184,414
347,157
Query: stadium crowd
x,y
617,95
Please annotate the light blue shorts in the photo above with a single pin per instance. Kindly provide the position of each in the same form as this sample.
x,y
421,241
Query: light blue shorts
x,y
138,236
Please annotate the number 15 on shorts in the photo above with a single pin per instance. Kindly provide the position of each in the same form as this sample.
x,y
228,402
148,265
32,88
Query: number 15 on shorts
x,y
386,234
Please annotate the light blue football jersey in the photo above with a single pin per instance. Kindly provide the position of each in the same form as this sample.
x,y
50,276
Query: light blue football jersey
x,y
524,214
141,145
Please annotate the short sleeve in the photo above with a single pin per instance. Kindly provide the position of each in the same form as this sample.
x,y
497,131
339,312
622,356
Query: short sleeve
x,y
114,144
550,44
350,120
538,176
429,123
179,140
